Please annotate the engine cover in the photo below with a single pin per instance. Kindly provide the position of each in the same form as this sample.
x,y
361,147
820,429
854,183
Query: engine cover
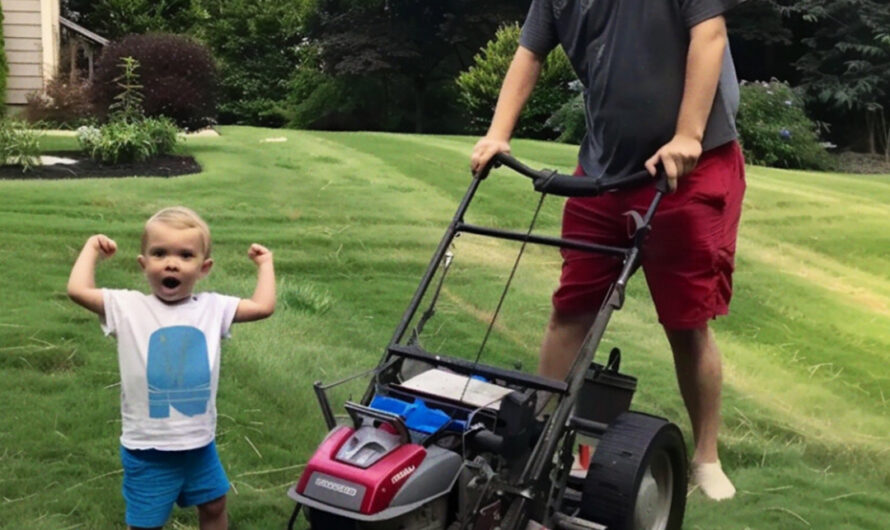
x,y
359,486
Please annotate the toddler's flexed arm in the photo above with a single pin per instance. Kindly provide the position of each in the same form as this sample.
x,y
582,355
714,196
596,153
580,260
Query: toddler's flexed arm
x,y
81,283
262,303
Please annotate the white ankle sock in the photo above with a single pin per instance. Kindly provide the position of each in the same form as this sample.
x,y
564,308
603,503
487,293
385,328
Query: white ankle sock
x,y
712,480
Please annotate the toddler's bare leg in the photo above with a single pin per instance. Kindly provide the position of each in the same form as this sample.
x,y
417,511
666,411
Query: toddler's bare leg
x,y
212,515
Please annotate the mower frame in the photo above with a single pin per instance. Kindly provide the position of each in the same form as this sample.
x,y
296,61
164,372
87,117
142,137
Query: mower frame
x,y
534,490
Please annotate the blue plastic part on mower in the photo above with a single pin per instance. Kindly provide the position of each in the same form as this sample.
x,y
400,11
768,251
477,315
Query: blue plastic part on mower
x,y
418,417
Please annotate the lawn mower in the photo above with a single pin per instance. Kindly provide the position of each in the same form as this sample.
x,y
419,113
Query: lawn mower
x,y
463,445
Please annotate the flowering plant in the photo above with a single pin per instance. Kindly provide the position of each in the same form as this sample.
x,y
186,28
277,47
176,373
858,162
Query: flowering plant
x,y
775,130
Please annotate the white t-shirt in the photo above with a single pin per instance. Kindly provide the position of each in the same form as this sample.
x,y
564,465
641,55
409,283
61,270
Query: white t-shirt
x,y
169,364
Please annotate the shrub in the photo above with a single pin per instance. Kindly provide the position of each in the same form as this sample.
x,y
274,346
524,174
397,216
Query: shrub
x,y
177,77
163,133
129,136
774,129
116,141
257,44
570,120
316,100
480,85
64,104
19,145
121,141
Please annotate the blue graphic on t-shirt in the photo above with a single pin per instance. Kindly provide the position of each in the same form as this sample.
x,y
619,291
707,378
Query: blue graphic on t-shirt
x,y
178,372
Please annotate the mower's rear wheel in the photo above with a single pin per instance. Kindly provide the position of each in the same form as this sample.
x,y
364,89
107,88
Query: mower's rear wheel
x,y
637,479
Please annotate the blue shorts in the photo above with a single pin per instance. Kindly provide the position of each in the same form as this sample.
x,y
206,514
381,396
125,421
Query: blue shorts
x,y
154,480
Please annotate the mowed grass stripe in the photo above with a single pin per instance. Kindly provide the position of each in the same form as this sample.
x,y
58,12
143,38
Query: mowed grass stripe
x,y
353,219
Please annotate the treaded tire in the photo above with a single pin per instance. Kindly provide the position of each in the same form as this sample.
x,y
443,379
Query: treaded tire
x,y
636,444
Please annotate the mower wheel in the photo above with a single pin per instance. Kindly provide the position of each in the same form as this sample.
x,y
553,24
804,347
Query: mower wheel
x,y
637,479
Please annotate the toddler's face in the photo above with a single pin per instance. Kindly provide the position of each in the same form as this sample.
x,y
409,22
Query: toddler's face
x,y
173,261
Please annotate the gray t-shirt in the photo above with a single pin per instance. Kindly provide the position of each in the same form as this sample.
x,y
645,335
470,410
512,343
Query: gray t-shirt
x,y
630,55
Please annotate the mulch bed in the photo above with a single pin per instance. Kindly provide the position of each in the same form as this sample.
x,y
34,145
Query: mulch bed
x,y
162,166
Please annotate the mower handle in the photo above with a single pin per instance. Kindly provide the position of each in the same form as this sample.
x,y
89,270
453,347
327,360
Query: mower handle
x,y
555,183
357,412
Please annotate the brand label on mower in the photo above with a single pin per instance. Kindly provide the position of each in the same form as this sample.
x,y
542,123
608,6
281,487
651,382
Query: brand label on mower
x,y
335,486
402,474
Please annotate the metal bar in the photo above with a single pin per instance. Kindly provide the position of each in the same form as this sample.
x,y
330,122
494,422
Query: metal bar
x,y
434,261
542,240
325,405
546,446
587,426
468,368
567,522
293,516
349,378
356,411
430,272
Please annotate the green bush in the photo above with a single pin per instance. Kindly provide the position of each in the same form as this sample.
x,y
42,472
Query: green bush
x,y
129,136
63,104
116,141
570,121
257,45
775,131
122,141
317,100
176,78
19,145
480,85
163,133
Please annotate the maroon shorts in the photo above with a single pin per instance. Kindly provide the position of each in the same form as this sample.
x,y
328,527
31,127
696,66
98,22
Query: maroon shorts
x,y
688,257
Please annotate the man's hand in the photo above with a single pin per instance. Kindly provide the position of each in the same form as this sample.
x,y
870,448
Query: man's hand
x,y
259,254
104,246
484,150
679,157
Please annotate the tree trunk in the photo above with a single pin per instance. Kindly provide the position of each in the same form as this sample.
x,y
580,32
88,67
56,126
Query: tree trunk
x,y
871,126
886,130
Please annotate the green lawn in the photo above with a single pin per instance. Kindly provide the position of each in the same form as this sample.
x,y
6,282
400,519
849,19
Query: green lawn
x,y
353,219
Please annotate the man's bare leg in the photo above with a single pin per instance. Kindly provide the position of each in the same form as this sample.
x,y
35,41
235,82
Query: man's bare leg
x,y
700,376
562,339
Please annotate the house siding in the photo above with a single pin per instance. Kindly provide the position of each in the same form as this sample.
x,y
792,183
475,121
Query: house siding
x,y
30,30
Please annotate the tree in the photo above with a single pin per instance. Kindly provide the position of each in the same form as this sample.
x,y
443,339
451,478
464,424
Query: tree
x,y
847,63
257,45
115,18
480,85
417,42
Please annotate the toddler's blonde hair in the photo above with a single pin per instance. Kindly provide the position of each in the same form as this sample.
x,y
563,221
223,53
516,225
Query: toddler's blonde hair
x,y
181,218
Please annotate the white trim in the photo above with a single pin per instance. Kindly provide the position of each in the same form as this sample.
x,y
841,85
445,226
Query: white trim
x,y
49,22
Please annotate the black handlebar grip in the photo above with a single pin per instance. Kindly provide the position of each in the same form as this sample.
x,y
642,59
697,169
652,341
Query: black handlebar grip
x,y
554,183
585,186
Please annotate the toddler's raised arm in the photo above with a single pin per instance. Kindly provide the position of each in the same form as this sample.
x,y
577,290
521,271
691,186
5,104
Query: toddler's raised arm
x,y
81,283
262,303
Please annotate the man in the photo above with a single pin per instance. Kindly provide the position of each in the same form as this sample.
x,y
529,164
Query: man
x,y
660,88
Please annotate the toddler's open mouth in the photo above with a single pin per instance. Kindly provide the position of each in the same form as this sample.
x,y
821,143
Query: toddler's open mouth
x,y
170,283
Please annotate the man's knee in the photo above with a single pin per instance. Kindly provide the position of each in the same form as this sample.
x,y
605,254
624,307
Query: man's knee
x,y
693,341
562,321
